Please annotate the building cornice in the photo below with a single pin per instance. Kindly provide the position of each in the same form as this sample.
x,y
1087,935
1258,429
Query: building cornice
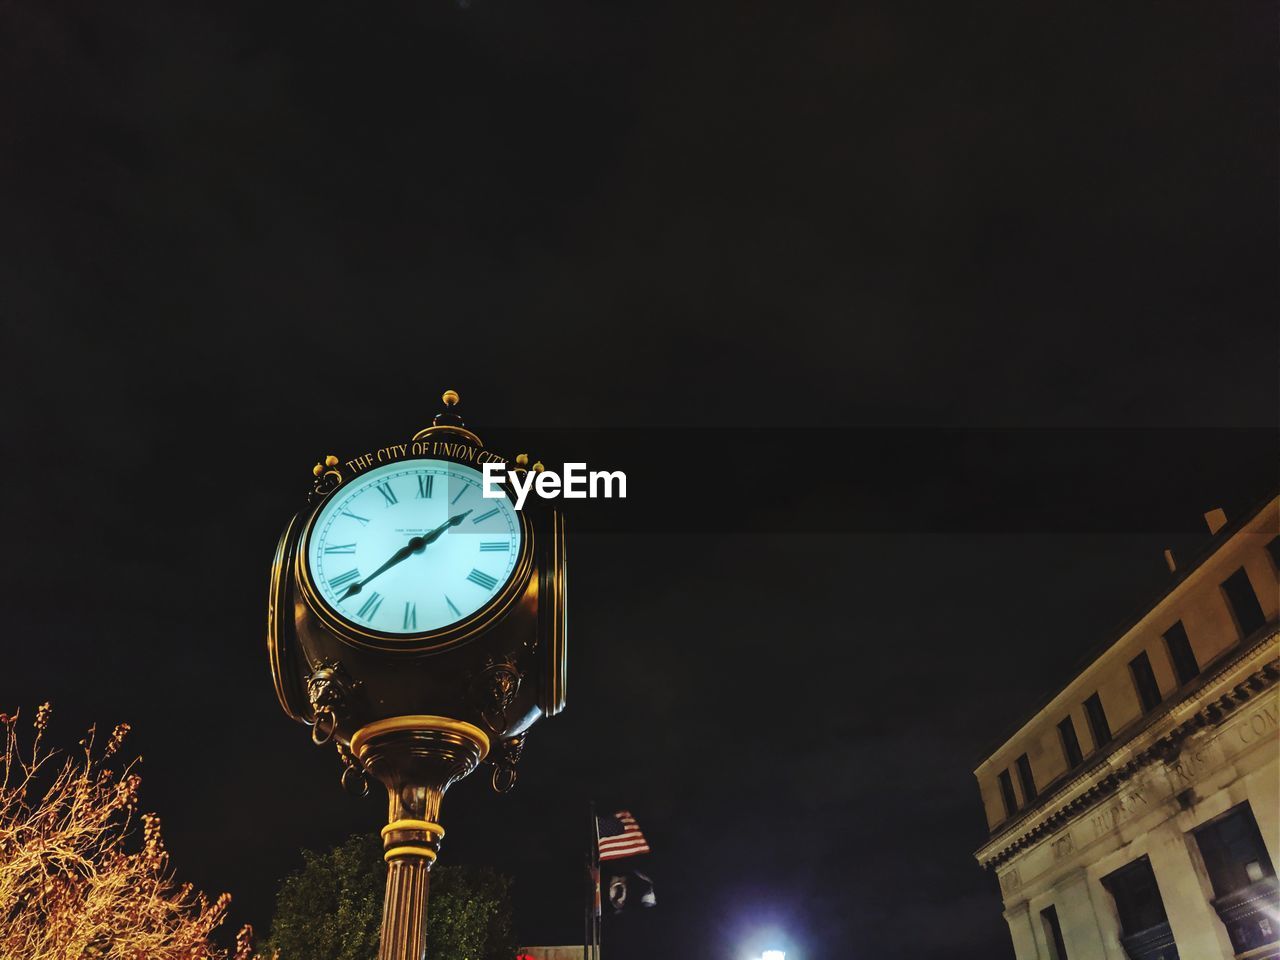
x,y
1160,741
1182,580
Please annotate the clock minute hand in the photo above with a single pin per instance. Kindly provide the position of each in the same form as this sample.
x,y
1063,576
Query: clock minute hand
x,y
415,545
434,535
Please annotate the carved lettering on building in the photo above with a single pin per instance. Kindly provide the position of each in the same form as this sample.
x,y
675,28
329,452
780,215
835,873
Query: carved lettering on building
x,y
1190,765
1119,811
1258,726
1193,763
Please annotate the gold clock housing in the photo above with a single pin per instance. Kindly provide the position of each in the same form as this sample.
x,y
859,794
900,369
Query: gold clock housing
x,y
500,666
417,711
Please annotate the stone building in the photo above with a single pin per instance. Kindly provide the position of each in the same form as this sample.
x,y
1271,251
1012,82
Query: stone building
x,y
1137,813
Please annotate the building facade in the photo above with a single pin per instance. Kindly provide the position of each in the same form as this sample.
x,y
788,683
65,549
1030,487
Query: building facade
x,y
1136,816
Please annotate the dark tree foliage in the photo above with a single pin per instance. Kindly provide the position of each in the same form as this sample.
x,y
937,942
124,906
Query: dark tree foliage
x,y
469,915
331,909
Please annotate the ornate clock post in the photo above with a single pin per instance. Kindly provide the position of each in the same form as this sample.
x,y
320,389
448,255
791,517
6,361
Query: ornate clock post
x,y
420,628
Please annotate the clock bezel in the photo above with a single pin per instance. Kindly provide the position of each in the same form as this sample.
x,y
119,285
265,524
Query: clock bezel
x,y
430,641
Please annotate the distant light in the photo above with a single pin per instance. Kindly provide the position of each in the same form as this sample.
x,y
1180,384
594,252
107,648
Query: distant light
x,y
773,955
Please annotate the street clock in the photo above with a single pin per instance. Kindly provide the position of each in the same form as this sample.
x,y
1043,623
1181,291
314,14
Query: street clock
x,y
410,553
419,626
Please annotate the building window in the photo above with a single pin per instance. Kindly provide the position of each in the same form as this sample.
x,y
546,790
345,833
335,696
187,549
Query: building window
x,y
1138,904
1098,725
1070,745
1244,602
1180,652
1053,933
1233,852
1006,794
1246,895
1145,681
1024,777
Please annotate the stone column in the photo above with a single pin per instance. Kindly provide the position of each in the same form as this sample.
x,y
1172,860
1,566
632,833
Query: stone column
x,y
1080,930
1262,788
1195,925
1108,922
1024,939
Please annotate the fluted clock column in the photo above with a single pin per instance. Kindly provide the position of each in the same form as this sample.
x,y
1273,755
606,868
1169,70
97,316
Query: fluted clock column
x,y
416,758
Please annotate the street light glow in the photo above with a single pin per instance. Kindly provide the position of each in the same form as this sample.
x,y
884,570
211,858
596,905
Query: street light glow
x,y
773,955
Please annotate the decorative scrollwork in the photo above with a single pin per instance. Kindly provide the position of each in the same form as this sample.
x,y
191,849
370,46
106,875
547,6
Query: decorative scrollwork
x,y
354,779
329,689
328,477
504,764
322,730
497,688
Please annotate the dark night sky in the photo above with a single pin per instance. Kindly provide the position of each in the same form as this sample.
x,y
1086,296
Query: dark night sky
x,y
237,236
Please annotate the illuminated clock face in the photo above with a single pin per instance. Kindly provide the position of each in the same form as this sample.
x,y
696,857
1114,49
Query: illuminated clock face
x,y
413,547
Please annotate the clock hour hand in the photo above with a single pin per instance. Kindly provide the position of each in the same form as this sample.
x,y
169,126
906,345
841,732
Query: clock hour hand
x,y
400,555
415,545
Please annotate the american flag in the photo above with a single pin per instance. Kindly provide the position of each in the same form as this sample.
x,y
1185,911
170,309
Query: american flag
x,y
620,836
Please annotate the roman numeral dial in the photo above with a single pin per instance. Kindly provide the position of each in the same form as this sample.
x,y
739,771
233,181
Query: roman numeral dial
x,y
482,580
412,548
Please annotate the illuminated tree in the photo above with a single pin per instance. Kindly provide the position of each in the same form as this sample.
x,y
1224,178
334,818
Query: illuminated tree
x,y
82,873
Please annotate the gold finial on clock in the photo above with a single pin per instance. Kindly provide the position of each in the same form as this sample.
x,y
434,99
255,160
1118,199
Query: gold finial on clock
x,y
448,420
448,417
328,476
329,463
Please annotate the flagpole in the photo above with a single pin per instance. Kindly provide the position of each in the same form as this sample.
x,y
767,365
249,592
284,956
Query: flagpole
x,y
593,878
595,860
